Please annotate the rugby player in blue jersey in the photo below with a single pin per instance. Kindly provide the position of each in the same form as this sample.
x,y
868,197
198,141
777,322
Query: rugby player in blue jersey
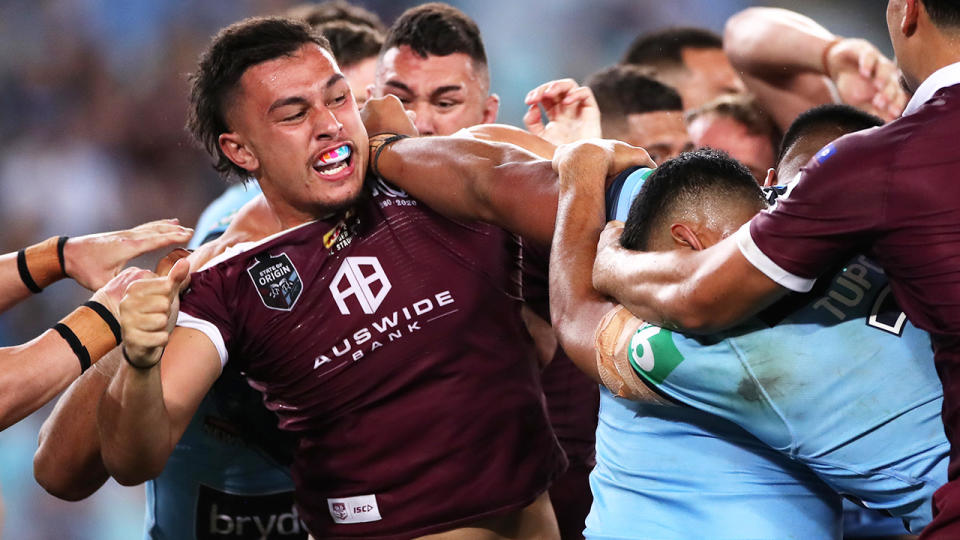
x,y
786,377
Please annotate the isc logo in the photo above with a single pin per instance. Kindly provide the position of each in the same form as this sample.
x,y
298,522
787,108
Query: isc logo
x,y
360,277
359,509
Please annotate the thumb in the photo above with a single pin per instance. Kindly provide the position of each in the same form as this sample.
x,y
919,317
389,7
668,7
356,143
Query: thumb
x,y
179,275
166,263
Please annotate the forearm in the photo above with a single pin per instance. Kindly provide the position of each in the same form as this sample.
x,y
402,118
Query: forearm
x,y
512,135
32,374
67,462
134,425
470,179
575,306
693,291
29,271
12,288
773,42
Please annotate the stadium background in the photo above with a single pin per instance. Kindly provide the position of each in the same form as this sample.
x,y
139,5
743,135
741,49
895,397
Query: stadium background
x,y
92,99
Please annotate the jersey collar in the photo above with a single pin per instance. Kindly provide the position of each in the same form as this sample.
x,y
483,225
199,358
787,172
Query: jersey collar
x,y
942,78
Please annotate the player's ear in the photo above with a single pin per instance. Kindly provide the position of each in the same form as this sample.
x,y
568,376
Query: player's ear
x,y
685,237
911,11
491,107
771,179
237,151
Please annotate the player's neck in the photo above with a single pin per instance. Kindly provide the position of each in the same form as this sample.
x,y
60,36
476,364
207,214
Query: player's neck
x,y
941,50
288,216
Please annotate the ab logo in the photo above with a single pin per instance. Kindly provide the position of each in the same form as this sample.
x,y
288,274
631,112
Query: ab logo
x,y
363,278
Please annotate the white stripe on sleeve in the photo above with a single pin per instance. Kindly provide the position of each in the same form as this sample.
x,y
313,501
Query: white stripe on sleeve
x,y
764,264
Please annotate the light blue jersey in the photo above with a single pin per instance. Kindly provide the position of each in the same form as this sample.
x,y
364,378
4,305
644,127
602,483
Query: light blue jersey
x,y
216,217
215,484
838,380
677,473
667,472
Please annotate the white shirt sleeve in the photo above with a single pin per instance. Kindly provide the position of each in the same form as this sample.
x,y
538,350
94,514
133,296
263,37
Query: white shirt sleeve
x,y
764,264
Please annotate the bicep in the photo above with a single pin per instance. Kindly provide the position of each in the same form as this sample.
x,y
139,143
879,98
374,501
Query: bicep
x,y
465,178
189,367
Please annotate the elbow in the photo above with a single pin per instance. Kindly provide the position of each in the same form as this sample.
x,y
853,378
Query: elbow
x,y
52,478
743,35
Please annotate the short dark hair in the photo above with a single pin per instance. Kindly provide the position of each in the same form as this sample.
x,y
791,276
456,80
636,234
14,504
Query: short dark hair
x,y
744,109
336,11
351,43
232,51
687,179
943,13
624,89
437,29
664,48
836,117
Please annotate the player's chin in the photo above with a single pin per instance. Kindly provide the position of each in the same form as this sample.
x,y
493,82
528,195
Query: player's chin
x,y
342,196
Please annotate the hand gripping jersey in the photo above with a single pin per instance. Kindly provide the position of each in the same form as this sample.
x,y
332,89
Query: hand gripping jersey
x,y
389,340
837,380
666,472
218,482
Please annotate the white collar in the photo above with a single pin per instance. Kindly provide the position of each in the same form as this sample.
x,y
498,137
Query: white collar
x,y
941,78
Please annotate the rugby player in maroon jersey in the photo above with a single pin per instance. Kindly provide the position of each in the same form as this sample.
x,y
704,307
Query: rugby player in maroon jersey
x,y
398,444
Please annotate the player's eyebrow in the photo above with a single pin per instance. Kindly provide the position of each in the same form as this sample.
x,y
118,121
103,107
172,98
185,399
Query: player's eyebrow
x,y
283,102
399,86
300,100
334,79
444,89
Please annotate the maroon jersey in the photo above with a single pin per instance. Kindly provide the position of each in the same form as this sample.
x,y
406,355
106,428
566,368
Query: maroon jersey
x,y
894,192
390,341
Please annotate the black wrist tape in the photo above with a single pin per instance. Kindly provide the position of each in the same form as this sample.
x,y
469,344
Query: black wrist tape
x,y
107,317
61,242
78,349
25,272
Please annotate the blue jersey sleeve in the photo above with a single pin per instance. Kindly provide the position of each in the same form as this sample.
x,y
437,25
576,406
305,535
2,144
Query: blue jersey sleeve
x,y
623,190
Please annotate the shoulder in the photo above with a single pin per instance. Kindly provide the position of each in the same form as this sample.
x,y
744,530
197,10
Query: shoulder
x,y
216,217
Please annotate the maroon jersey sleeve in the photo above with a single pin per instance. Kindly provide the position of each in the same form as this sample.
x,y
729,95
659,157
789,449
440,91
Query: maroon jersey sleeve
x,y
203,307
831,211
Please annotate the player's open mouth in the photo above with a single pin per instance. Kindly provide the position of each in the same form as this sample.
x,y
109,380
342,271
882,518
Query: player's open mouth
x,y
333,162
